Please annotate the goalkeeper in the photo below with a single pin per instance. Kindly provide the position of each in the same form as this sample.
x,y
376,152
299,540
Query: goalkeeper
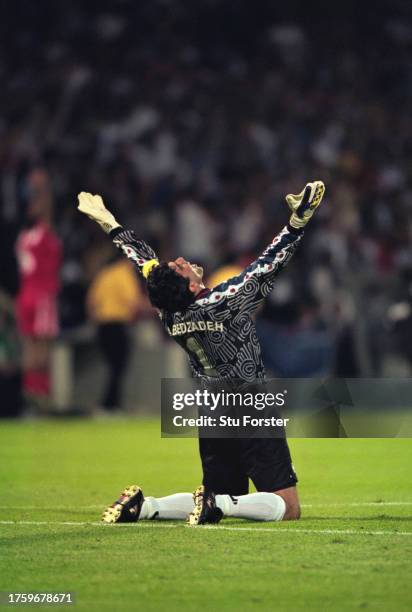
x,y
216,329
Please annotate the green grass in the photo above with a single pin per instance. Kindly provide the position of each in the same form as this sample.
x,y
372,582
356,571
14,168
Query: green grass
x,y
344,554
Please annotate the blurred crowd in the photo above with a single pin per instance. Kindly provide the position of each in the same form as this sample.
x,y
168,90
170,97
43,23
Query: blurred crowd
x,y
193,120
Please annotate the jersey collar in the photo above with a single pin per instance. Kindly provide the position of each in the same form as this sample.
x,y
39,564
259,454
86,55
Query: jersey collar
x,y
202,294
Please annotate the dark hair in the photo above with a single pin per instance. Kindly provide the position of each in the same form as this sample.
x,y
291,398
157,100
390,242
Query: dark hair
x,y
168,290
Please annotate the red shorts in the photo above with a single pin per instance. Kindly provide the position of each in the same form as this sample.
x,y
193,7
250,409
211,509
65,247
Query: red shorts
x,y
37,315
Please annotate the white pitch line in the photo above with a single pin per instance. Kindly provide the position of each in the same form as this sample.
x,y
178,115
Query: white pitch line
x,y
316,505
152,525
309,531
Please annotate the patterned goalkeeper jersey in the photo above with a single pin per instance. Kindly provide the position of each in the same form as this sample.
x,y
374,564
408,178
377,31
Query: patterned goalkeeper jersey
x,y
217,331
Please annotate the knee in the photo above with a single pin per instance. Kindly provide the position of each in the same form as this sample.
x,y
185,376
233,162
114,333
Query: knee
x,y
292,512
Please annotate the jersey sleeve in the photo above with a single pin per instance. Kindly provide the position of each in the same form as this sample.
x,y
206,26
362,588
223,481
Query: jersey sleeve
x,y
138,251
247,291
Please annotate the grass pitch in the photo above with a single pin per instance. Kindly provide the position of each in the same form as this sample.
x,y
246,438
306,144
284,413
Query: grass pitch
x,y
351,550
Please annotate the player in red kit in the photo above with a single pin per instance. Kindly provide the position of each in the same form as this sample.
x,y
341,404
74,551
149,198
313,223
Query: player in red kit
x,y
39,255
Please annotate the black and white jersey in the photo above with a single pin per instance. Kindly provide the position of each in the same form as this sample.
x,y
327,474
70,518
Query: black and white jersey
x,y
217,331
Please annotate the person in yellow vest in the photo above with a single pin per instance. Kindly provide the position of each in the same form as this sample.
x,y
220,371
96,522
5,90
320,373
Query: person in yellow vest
x,y
233,267
113,302
223,273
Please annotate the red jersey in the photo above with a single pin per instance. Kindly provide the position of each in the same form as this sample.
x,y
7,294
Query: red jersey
x,y
39,255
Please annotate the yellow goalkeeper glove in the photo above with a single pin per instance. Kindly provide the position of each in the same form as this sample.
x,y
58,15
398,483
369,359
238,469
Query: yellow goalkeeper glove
x,y
93,207
305,203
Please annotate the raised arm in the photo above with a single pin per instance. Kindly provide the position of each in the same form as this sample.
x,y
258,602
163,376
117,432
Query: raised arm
x,y
246,291
140,253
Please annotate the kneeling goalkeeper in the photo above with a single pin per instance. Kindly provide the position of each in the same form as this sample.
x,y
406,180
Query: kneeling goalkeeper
x,y
216,329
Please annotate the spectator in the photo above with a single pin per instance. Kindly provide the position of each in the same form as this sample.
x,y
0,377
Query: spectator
x,y
39,258
299,347
113,302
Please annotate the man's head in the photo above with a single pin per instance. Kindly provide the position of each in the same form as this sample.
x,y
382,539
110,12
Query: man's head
x,y
173,286
40,196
